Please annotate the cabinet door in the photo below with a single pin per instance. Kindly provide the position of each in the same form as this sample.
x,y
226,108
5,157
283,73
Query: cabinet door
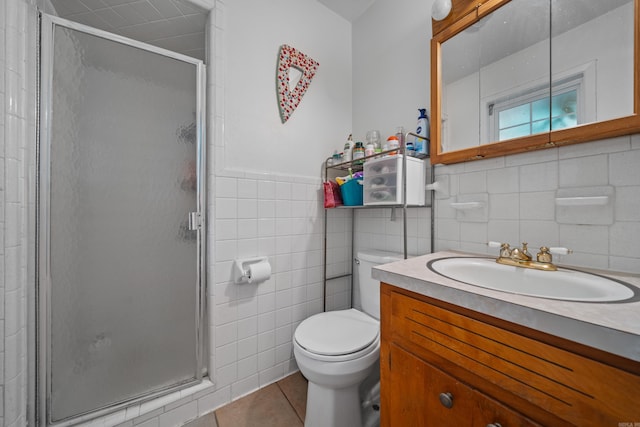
x,y
489,412
415,392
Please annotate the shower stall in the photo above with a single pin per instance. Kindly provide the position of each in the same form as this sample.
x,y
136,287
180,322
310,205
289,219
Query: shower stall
x,y
120,224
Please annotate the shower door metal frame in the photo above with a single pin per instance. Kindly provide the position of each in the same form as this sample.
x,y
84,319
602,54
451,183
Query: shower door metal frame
x,y
43,225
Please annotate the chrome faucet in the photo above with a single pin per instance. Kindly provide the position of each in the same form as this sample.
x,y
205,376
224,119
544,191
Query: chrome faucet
x,y
522,258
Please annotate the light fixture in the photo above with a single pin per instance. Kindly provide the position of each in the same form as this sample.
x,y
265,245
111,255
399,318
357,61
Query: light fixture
x,y
440,9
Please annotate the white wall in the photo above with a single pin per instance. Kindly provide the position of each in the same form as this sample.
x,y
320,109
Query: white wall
x,y
391,66
255,139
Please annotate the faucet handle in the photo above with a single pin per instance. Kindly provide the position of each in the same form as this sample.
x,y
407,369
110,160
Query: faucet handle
x,y
544,255
505,250
560,251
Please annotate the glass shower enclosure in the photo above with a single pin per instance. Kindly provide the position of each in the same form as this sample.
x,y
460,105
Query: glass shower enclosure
x,y
120,222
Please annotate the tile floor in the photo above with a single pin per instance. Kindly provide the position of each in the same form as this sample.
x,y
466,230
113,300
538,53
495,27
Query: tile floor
x,y
281,404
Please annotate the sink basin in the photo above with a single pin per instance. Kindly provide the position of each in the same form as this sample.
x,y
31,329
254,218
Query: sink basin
x,y
564,284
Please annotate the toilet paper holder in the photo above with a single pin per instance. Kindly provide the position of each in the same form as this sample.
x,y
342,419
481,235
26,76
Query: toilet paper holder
x,y
242,269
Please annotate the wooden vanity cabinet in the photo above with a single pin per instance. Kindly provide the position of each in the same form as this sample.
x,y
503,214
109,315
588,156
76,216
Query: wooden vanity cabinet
x,y
426,396
443,365
415,387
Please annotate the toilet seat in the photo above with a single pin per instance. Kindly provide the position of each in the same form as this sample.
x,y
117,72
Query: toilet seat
x,y
338,335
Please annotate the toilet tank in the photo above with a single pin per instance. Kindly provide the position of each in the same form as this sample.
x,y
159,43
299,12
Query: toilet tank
x,y
370,288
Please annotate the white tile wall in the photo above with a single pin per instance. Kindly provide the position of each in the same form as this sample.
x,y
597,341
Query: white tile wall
x,y
17,41
378,229
3,265
17,133
339,263
522,202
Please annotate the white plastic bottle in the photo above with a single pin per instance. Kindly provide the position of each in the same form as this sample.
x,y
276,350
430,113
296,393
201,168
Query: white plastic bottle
x,y
348,149
369,149
421,145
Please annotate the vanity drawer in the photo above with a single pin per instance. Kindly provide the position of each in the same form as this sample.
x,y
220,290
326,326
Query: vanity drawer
x,y
576,389
383,180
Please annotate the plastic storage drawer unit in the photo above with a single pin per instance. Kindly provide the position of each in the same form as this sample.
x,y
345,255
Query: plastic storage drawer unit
x,y
383,181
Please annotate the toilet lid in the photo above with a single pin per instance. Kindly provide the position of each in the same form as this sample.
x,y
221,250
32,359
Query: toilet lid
x,y
336,333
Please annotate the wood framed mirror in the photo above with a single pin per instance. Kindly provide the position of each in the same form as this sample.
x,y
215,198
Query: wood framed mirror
x,y
510,76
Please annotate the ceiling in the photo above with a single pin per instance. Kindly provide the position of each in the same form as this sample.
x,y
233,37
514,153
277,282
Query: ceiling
x,y
348,9
179,25
176,25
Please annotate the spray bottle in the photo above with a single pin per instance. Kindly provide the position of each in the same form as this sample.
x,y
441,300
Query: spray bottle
x,y
421,145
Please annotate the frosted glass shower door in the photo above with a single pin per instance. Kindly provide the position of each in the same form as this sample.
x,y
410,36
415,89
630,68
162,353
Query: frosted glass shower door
x,y
120,270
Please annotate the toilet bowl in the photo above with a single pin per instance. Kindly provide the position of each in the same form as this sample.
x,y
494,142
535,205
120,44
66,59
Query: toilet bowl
x,y
338,350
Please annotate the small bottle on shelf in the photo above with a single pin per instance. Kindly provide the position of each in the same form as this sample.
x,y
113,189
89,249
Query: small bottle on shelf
x,y
392,144
358,153
337,158
410,149
331,160
421,145
369,149
373,137
348,147
400,135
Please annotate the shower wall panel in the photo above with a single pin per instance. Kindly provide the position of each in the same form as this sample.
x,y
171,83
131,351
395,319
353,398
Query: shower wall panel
x,y
123,284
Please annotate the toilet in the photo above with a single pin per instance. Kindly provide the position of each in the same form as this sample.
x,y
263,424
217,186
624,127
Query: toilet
x,y
337,350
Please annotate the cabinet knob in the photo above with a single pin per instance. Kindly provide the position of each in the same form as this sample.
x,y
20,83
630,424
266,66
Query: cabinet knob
x,y
494,425
446,399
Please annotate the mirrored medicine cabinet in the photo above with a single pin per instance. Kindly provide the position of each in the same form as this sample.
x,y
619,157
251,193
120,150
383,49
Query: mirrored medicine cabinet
x,y
509,76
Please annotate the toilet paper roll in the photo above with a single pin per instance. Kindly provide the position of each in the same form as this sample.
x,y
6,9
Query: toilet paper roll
x,y
259,272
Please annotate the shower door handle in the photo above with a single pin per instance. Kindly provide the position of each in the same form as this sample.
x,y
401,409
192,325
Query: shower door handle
x,y
195,221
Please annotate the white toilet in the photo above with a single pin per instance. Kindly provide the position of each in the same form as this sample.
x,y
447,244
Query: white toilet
x,y
337,350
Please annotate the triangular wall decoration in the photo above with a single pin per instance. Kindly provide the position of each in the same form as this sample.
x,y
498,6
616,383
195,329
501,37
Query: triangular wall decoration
x,y
288,99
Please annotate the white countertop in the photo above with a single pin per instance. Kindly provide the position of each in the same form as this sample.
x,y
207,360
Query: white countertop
x,y
612,327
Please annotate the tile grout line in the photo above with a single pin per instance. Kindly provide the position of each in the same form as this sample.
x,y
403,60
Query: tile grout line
x,y
289,401
280,390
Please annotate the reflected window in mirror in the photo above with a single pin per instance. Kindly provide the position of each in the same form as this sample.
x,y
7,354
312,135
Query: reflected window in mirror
x,y
534,111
